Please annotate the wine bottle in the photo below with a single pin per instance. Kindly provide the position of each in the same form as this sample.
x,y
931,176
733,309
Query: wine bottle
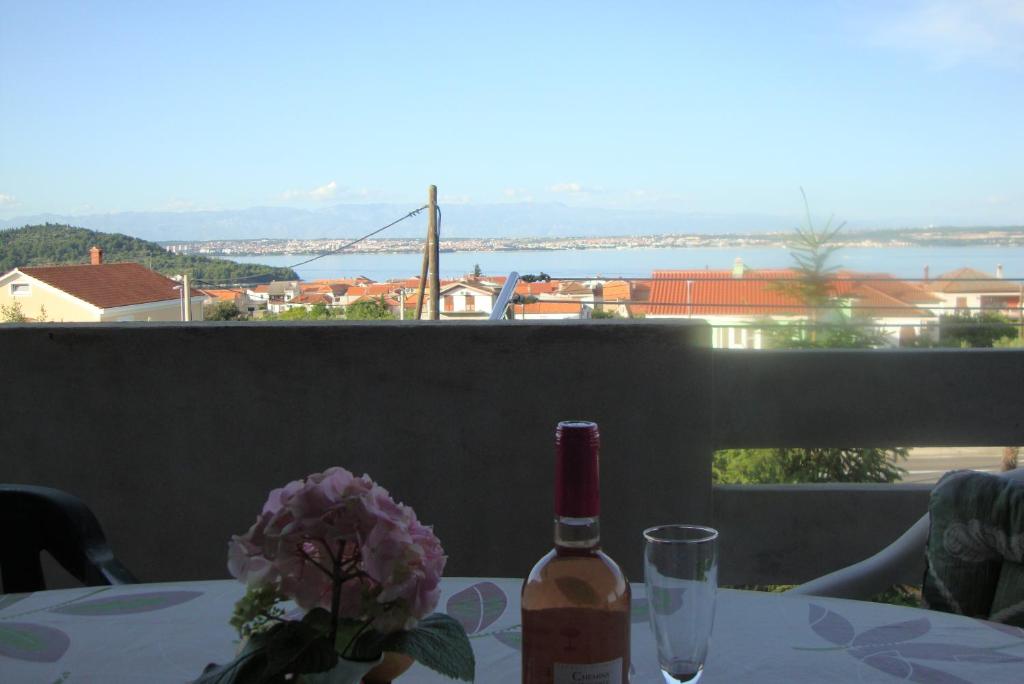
x,y
575,602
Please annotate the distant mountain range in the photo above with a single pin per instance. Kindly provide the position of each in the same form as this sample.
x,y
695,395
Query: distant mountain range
x,y
458,220
509,220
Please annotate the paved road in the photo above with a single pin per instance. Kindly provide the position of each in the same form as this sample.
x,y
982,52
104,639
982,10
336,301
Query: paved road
x,y
927,464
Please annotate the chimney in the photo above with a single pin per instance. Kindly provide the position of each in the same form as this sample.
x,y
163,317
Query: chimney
x,y
999,270
738,268
95,256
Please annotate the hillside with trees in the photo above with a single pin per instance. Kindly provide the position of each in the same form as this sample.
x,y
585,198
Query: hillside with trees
x,y
53,244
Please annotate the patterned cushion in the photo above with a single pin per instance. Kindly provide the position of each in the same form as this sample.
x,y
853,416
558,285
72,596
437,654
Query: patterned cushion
x,y
976,547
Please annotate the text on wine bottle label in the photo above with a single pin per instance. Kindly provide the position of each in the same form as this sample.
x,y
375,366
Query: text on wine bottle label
x,y
609,672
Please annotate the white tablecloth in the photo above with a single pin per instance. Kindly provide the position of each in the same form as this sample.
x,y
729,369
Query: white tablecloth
x,y
169,632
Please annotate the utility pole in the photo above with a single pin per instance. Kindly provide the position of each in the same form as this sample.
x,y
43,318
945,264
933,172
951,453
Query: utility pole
x,y
435,252
423,273
186,294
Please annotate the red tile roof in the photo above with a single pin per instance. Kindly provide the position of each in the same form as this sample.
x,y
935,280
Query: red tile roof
x,y
379,299
968,280
536,288
709,293
883,282
310,298
757,293
874,303
358,280
314,288
549,307
221,295
626,290
372,289
108,285
616,290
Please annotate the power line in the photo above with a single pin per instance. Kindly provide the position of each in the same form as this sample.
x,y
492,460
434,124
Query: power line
x,y
358,240
342,248
825,279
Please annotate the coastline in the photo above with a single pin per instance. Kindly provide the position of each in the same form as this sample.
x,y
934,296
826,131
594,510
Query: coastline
x,y
904,262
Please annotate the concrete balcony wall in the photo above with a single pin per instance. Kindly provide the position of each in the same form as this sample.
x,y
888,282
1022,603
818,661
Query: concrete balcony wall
x,y
788,534
174,434
831,398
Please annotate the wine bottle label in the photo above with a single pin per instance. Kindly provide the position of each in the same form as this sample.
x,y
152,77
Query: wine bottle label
x,y
591,673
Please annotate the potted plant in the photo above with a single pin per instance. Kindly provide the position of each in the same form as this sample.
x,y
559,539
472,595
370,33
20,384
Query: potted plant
x,y
364,575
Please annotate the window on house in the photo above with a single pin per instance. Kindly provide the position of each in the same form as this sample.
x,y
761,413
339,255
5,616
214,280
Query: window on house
x,y
961,303
470,303
449,303
21,289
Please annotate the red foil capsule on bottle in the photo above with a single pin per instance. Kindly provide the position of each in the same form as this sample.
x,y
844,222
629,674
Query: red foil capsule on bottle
x,y
577,476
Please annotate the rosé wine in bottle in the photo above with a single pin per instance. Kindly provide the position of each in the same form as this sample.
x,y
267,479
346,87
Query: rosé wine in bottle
x,y
575,602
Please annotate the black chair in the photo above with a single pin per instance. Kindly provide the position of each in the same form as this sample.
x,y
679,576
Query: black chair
x,y
36,519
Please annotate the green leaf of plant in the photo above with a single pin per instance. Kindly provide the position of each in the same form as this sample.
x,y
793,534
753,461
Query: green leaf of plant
x,y
248,666
345,672
438,642
297,648
349,629
318,619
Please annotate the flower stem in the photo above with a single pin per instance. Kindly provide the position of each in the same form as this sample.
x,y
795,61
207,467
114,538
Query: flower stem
x,y
314,562
335,597
352,642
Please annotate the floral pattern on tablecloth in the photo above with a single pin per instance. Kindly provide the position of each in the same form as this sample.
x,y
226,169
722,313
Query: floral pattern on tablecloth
x,y
29,641
168,633
896,648
42,643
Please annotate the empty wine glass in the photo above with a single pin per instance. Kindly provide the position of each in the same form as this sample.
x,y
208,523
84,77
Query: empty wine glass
x,y
681,575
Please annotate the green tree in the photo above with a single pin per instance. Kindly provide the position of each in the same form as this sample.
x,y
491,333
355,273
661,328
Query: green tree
x,y
222,311
811,250
476,271
1009,342
12,313
790,466
599,313
51,243
299,313
839,335
981,329
369,310
320,312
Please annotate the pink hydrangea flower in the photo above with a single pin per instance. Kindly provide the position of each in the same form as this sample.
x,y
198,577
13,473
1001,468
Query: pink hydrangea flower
x,y
334,528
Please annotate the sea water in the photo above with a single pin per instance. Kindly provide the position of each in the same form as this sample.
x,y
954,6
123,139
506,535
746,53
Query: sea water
x,y
904,262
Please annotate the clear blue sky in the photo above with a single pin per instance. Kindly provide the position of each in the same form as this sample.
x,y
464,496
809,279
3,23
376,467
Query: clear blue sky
x,y
891,110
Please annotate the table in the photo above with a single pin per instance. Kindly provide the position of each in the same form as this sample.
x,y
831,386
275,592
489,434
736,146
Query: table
x,y
168,632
